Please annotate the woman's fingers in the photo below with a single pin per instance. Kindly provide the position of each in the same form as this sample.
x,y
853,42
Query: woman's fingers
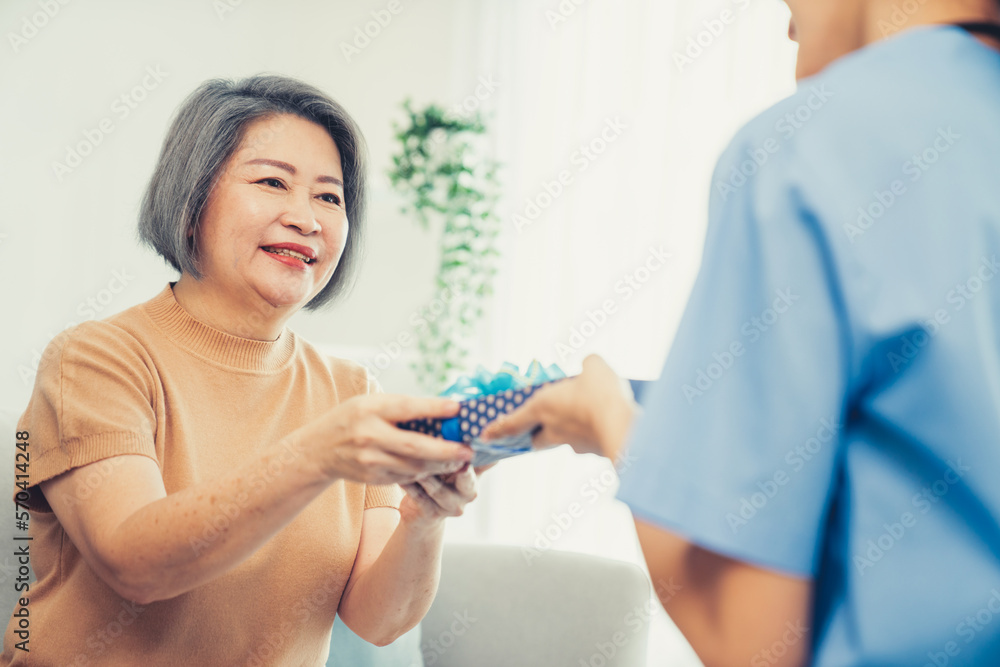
x,y
360,440
381,467
466,484
443,496
413,445
404,408
433,503
377,465
447,497
420,497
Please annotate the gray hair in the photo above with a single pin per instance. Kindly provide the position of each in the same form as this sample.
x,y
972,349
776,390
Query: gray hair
x,y
208,129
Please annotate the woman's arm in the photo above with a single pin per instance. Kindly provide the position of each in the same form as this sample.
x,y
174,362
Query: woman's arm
x,y
395,576
150,546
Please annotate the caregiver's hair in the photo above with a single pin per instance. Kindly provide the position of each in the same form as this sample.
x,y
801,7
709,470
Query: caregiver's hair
x,y
208,129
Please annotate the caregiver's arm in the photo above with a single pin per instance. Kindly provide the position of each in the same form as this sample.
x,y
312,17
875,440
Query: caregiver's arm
x,y
396,572
150,546
732,613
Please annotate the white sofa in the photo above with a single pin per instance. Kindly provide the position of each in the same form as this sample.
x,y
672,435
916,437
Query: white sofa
x,y
497,607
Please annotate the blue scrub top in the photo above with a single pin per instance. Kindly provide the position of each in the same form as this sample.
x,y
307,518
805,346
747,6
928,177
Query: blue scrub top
x,y
830,407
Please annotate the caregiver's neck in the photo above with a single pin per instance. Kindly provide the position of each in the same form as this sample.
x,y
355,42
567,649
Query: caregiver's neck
x,y
885,17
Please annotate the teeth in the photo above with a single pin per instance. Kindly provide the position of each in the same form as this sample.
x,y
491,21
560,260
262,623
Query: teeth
x,y
288,253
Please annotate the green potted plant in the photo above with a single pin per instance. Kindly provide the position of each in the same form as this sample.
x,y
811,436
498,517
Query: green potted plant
x,y
450,184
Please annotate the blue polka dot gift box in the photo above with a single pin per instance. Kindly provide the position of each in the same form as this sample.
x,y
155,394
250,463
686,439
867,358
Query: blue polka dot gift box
x,y
483,397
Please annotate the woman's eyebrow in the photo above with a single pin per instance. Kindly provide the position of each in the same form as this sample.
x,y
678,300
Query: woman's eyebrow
x,y
291,170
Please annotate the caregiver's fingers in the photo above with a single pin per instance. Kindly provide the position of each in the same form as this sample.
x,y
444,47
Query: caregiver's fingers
x,y
594,363
544,437
521,420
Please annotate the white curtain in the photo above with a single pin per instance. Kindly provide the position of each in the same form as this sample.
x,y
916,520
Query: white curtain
x,y
609,117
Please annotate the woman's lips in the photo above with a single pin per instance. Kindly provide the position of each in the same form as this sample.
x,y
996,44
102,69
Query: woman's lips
x,y
287,260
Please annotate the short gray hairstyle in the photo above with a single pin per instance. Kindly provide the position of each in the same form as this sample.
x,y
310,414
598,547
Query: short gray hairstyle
x,y
208,129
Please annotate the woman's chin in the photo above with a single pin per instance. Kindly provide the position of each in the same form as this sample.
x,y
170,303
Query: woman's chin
x,y
286,296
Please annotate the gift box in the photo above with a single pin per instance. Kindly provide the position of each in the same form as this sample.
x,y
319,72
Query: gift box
x,y
483,397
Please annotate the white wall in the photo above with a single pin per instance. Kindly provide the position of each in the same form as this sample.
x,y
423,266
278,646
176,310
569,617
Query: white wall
x,y
62,240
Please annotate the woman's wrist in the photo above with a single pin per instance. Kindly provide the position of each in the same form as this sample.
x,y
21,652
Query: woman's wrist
x,y
417,526
315,469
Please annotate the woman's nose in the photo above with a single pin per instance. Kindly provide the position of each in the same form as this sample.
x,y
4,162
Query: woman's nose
x,y
300,215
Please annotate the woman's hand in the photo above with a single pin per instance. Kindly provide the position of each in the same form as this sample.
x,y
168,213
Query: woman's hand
x,y
592,412
396,572
432,499
358,440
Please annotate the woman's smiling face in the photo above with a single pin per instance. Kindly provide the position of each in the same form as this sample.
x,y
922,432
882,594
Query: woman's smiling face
x,y
279,198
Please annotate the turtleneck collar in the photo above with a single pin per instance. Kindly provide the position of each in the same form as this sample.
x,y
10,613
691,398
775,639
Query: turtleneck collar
x,y
214,345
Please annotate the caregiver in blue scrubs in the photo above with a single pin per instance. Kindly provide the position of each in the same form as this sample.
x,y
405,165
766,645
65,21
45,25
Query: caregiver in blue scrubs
x,y
818,467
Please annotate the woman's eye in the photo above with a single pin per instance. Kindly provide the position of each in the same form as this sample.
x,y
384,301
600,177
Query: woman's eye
x,y
330,198
272,182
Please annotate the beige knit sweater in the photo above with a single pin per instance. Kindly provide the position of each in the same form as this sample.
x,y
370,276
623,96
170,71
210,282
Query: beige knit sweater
x,y
154,381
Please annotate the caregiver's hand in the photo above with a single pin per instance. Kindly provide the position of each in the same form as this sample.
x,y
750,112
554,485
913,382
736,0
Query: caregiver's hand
x,y
358,440
592,412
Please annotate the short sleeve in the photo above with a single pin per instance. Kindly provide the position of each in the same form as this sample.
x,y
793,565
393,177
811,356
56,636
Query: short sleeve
x,y
737,449
381,495
92,400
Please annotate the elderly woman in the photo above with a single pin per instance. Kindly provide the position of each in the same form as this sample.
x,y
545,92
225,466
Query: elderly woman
x,y
208,488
